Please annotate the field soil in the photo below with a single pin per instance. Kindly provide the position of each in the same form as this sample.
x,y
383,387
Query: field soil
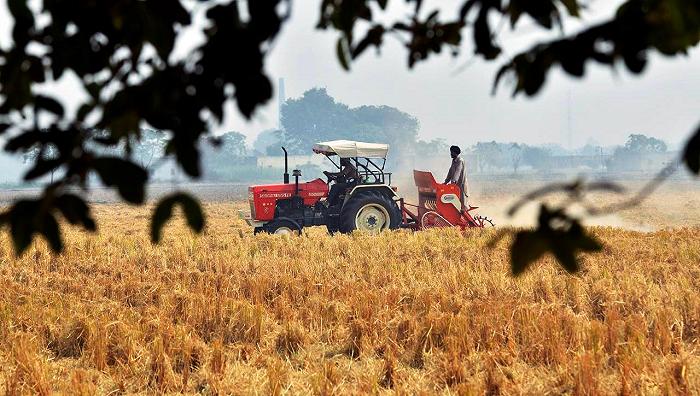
x,y
411,313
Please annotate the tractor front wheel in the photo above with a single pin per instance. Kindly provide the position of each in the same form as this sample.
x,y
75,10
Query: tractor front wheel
x,y
369,211
282,227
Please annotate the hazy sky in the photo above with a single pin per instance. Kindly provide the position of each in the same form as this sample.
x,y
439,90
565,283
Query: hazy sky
x,y
451,97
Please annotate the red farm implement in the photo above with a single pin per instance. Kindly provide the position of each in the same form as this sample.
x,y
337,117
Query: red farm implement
x,y
438,206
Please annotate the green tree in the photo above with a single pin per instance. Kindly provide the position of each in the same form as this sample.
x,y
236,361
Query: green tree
x,y
317,116
265,140
385,124
313,116
121,52
536,157
642,144
148,147
489,155
636,150
224,151
433,147
515,154
44,153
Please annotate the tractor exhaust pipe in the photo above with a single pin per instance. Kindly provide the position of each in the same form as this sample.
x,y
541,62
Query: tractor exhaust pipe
x,y
286,167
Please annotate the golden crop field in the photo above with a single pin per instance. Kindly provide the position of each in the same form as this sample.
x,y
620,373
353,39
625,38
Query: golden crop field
x,y
410,313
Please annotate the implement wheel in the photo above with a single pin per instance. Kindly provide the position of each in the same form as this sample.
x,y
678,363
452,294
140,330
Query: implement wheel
x,y
369,211
484,221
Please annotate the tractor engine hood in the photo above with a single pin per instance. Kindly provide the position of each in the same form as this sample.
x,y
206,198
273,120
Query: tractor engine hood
x,y
263,198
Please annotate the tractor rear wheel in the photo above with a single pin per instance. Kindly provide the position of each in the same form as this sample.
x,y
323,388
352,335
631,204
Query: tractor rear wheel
x,y
370,211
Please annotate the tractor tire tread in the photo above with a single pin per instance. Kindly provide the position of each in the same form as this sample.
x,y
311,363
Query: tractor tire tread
x,y
349,211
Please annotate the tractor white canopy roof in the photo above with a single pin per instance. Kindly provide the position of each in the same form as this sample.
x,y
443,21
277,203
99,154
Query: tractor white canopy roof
x,y
351,149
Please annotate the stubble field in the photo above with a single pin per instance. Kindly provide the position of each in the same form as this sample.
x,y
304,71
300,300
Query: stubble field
x,y
410,313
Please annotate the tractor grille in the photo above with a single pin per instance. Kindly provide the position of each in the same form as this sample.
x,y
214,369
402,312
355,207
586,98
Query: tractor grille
x,y
251,199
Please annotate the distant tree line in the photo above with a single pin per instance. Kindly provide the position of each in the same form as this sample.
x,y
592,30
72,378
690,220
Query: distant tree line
x,y
316,115
227,157
638,153
219,152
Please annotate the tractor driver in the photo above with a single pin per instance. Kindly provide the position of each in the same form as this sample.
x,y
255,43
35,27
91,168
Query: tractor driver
x,y
458,174
343,179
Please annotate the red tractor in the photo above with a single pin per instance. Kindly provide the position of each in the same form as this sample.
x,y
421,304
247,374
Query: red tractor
x,y
360,197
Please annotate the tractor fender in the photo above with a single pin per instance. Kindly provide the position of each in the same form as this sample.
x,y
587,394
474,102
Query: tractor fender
x,y
383,188
294,222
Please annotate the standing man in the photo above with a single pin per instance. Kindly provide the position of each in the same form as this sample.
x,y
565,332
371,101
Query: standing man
x,y
458,175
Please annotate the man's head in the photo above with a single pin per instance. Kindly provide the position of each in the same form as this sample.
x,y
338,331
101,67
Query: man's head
x,y
344,162
455,151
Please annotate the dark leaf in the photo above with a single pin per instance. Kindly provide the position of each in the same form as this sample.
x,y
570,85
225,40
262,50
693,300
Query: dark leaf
x,y
250,93
84,110
22,217
4,127
691,154
24,20
466,7
94,89
589,244
49,104
162,213
527,248
574,60
581,240
635,62
419,3
373,37
543,11
572,7
42,167
48,227
566,244
164,210
193,213
502,71
342,53
565,254
533,77
76,211
187,155
128,177
483,38
23,141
